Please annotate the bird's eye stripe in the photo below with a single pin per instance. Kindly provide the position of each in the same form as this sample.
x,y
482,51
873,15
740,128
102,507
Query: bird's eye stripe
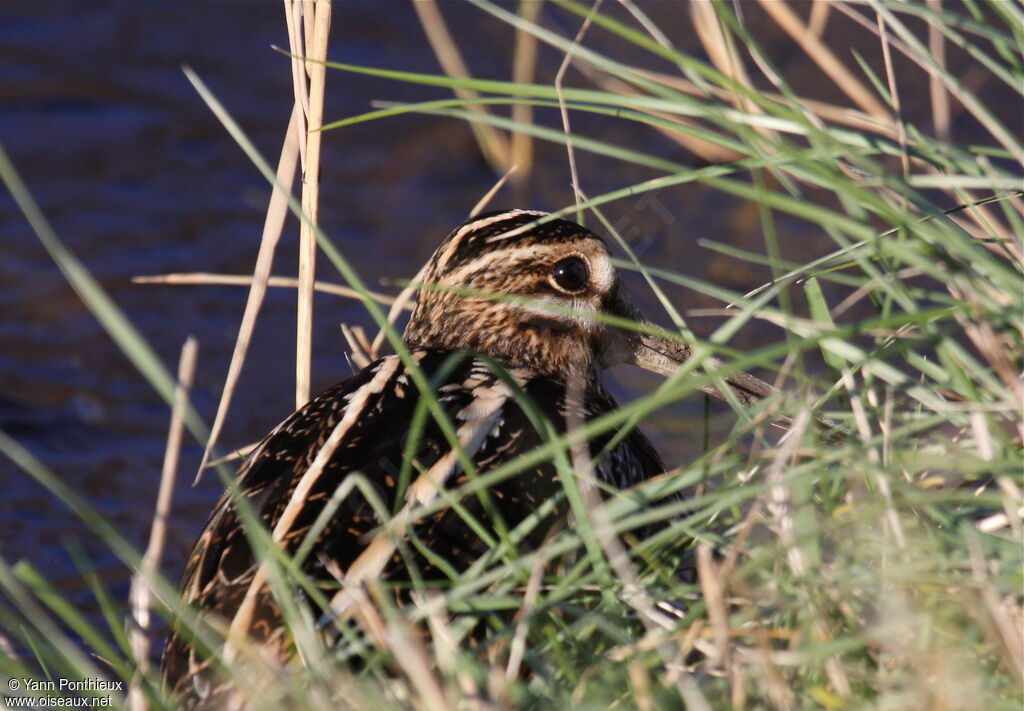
x,y
503,260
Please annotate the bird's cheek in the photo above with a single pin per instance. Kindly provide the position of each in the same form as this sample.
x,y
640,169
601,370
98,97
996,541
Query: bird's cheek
x,y
551,324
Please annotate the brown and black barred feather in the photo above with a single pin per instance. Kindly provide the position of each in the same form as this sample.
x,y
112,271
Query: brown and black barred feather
x,y
222,565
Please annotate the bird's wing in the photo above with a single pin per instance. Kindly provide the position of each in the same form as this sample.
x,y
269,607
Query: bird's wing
x,y
360,425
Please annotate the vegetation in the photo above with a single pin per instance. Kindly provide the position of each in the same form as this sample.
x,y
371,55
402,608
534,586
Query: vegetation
x,y
881,569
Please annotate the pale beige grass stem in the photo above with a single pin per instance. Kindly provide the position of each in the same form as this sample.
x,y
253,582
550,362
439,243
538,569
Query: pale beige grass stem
x,y
308,15
1007,630
970,102
483,202
941,119
237,454
869,286
633,593
517,648
818,19
272,227
243,618
641,683
649,25
320,21
721,49
842,115
293,19
707,150
815,48
445,651
780,505
1012,500
894,96
404,299
524,67
983,217
361,351
559,78
141,593
863,424
208,279
411,656
713,587
493,144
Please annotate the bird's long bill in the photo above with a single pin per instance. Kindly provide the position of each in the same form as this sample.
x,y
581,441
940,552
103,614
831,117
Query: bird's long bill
x,y
664,356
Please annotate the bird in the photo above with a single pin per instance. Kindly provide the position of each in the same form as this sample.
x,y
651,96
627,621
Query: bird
x,y
515,307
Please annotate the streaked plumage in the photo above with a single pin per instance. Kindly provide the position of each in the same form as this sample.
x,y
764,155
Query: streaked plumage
x,y
542,337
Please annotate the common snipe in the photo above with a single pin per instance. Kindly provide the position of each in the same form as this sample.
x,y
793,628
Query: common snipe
x,y
500,290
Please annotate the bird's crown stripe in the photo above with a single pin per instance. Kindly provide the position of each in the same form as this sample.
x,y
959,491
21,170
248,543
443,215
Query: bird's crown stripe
x,y
466,232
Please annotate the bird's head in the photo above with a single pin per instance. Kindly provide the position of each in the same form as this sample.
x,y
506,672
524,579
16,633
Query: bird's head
x,y
532,296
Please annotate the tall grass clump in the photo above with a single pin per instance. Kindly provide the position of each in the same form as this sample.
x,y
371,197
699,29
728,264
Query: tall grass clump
x,y
873,562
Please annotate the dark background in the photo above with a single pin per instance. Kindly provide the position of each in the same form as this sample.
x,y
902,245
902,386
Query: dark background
x,y
138,177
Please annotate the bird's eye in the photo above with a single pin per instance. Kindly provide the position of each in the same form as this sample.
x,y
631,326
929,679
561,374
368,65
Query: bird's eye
x,y
570,274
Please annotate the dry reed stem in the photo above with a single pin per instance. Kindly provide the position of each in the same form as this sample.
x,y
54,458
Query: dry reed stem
x,y
894,96
779,693
493,144
445,647
483,202
649,25
722,51
985,220
321,23
633,593
641,683
860,418
842,115
524,67
237,454
412,658
819,17
563,110
141,594
361,351
402,301
404,297
780,505
997,522
939,97
1008,631
706,150
208,279
993,346
971,103
518,647
308,15
660,37
293,18
788,20
272,227
864,289
1012,500
713,586
396,636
